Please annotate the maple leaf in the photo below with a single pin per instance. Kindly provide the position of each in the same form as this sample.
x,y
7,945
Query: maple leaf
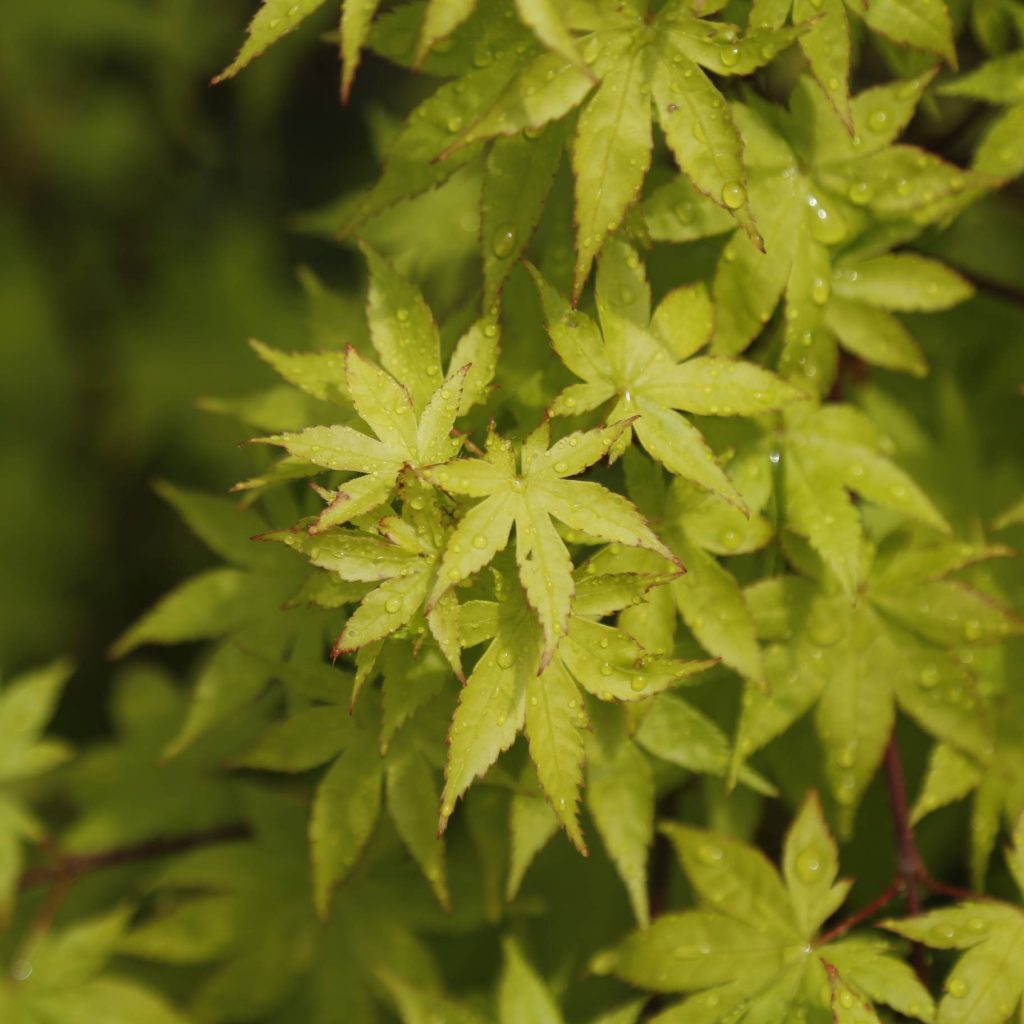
x,y
749,950
826,42
529,499
896,646
998,81
512,687
644,67
986,984
819,456
26,704
406,404
400,554
813,188
647,364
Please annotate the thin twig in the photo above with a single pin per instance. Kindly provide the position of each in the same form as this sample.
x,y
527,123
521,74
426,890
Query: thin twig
x,y
908,861
71,867
862,915
952,891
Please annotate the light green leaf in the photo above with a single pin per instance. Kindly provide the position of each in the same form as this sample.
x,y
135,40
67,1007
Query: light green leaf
x,y
735,879
881,977
610,157
684,320
412,806
492,704
922,24
1001,153
440,20
902,282
205,606
951,776
356,17
274,19
548,22
306,739
319,374
345,810
620,796
810,864
532,823
699,129
711,603
523,997
403,331
875,336
520,172
826,45
554,720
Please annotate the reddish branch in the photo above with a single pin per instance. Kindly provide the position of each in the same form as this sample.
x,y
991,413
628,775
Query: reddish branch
x,y
70,867
862,915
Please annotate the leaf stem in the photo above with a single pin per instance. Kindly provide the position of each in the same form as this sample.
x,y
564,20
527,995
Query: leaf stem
x,y
70,867
908,861
862,915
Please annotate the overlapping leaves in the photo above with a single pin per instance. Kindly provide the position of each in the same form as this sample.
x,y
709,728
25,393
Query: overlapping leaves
x,y
749,952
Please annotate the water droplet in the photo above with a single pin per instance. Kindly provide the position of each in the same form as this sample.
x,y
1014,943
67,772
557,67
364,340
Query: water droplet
x,y
976,925
454,123
21,970
846,999
861,192
479,542
606,669
808,865
730,55
774,458
820,290
972,629
638,683
929,676
878,120
503,241
958,988
734,195
709,854
392,605
505,659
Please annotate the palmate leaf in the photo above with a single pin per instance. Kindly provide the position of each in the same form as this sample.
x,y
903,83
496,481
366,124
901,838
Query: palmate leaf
x,y
749,951
69,979
856,663
999,81
368,770
642,70
986,984
825,454
27,703
512,687
995,776
647,364
399,557
813,187
529,498
408,404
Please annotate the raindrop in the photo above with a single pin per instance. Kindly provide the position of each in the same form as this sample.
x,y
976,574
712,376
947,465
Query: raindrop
x,y
734,195
505,659
392,605
503,241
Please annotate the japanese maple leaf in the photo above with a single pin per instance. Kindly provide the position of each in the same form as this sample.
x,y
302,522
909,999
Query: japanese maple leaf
x,y
995,776
26,705
898,645
401,555
820,457
922,24
813,187
700,527
750,950
998,81
529,498
512,687
406,402
645,66
986,984
647,364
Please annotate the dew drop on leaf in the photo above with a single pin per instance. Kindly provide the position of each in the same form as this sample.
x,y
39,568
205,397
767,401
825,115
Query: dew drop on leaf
x,y
505,659
808,865
734,195
503,241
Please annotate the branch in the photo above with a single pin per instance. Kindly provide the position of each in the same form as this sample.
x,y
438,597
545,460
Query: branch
x,y
908,861
872,908
69,868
